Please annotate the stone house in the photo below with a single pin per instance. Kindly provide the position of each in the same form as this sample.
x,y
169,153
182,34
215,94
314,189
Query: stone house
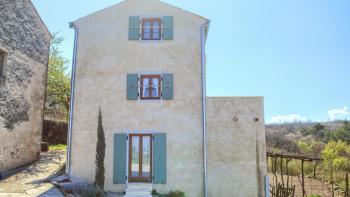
x,y
24,51
143,63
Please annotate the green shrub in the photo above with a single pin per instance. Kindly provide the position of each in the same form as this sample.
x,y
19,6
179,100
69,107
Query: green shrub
x,y
176,193
154,192
92,191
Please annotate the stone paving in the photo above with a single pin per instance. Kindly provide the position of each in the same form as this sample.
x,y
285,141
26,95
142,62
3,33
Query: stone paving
x,y
32,181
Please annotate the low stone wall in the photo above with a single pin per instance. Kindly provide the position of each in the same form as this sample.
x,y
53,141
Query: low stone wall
x,y
55,132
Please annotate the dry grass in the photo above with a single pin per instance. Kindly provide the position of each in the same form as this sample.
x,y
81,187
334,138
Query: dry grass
x,y
58,147
312,186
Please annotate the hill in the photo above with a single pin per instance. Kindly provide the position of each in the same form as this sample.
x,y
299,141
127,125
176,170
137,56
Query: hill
x,y
288,137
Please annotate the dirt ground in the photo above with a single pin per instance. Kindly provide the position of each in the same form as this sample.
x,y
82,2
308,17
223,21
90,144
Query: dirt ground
x,y
32,181
312,186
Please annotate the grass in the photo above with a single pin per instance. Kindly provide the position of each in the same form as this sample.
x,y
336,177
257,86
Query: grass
x,y
58,147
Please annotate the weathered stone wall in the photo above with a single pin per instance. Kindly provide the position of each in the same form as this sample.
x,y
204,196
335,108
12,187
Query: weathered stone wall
x,y
22,89
22,30
236,146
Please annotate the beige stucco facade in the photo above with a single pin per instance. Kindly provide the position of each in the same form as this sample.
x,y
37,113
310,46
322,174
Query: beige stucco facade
x,y
104,58
236,146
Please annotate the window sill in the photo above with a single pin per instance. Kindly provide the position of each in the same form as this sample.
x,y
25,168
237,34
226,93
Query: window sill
x,y
151,41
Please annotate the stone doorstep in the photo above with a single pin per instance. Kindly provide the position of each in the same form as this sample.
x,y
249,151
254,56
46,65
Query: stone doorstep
x,y
138,193
139,186
138,190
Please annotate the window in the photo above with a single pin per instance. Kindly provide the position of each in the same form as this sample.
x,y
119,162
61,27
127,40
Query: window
x,y
3,57
151,29
150,87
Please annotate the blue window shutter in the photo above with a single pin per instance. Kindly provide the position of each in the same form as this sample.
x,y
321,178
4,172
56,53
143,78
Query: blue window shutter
x,y
159,158
168,27
267,186
132,86
119,162
134,27
168,86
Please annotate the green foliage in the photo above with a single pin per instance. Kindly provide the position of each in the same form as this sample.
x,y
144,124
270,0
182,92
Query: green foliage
x,y
318,131
337,154
176,193
342,133
58,80
92,191
280,141
311,148
333,146
304,147
314,195
100,153
154,192
58,147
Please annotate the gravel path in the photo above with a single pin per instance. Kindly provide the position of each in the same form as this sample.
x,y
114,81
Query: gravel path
x,y
32,181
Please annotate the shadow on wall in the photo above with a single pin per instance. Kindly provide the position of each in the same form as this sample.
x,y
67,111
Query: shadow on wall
x,y
13,107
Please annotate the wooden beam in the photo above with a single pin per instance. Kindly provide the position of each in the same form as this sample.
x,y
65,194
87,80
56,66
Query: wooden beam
x,y
302,178
293,156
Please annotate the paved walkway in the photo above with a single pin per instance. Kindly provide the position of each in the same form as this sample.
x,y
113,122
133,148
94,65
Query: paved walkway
x,y
32,181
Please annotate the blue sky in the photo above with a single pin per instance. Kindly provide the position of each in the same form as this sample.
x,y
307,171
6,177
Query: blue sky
x,y
295,53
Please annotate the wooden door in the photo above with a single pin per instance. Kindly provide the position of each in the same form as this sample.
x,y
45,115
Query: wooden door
x,y
140,158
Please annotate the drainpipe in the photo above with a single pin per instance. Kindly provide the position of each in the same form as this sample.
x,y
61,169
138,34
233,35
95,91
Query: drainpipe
x,y
204,100
71,106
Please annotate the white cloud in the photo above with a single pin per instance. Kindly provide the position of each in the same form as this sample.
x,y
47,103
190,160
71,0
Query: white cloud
x,y
290,118
338,114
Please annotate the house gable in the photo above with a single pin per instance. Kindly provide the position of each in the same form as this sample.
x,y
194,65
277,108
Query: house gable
x,y
40,22
23,25
134,6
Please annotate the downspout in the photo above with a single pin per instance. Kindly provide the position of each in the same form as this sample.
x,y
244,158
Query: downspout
x,y
71,106
204,100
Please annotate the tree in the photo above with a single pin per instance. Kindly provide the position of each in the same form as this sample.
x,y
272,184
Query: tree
x,y
342,133
100,153
312,148
336,155
58,80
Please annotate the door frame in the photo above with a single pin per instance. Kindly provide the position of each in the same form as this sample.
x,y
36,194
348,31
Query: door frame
x,y
129,153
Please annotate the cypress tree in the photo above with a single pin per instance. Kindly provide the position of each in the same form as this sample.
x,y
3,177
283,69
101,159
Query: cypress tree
x,y
100,153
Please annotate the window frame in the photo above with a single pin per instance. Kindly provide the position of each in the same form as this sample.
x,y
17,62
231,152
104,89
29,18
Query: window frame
x,y
151,20
145,76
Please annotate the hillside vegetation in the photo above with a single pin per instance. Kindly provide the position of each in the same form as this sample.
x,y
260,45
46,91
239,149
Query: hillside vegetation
x,y
305,138
329,141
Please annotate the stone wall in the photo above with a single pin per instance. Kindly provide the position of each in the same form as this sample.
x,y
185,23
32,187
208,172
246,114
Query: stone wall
x,y
236,146
22,30
22,88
